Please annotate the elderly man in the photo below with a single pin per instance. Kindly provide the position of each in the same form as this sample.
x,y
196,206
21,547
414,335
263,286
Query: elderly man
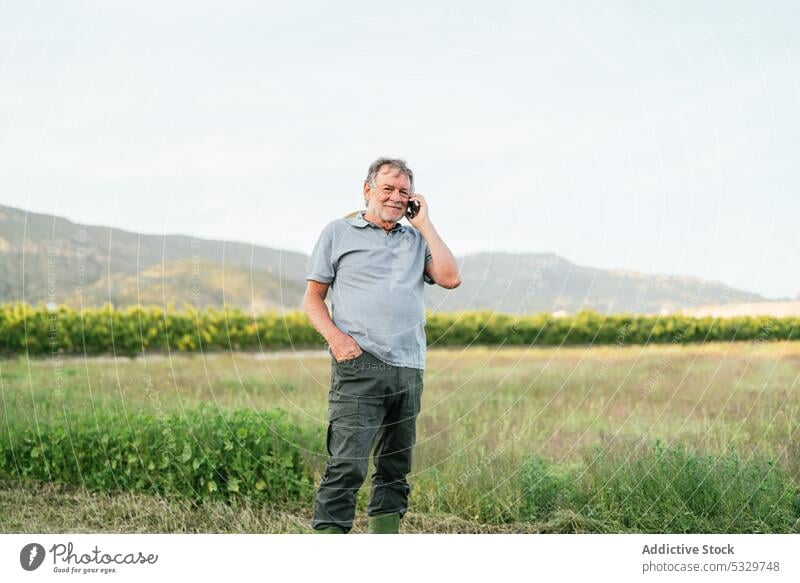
x,y
375,268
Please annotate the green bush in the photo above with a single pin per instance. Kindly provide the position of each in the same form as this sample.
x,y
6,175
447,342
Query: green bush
x,y
201,454
663,490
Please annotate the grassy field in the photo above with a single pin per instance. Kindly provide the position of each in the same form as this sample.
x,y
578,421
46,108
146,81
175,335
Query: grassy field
x,y
598,439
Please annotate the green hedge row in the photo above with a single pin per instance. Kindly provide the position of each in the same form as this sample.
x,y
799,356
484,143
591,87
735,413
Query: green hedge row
x,y
200,454
38,330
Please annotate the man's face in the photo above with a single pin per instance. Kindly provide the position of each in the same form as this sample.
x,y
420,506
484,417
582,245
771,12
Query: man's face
x,y
388,200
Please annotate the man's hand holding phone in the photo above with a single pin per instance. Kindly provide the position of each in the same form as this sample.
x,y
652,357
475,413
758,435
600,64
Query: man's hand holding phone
x,y
417,212
344,347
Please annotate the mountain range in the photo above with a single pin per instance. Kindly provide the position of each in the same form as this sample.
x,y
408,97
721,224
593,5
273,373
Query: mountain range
x,y
50,259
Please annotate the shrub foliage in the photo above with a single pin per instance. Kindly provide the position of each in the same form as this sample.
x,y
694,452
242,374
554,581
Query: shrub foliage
x,y
39,330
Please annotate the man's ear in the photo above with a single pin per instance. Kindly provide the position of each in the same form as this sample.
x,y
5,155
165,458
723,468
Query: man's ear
x,y
367,193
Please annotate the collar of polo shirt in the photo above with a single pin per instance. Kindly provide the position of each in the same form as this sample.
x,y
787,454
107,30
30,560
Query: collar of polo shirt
x,y
360,221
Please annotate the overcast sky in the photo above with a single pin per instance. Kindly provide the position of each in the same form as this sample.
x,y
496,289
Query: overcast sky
x,y
661,137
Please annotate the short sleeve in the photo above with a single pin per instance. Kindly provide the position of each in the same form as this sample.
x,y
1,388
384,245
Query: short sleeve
x,y
428,258
320,266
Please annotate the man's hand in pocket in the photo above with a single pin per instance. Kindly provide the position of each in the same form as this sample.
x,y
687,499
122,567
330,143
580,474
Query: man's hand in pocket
x,y
345,347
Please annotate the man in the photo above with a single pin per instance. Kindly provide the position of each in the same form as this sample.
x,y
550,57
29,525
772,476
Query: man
x,y
375,268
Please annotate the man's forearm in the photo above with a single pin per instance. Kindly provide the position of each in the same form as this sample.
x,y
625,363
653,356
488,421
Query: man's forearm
x,y
445,267
317,313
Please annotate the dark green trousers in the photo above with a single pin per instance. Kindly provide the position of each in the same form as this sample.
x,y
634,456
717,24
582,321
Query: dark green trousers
x,y
370,404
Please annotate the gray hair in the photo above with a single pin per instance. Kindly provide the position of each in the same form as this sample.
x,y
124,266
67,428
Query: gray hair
x,y
376,166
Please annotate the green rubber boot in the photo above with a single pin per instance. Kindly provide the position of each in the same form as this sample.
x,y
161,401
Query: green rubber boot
x,y
328,530
384,524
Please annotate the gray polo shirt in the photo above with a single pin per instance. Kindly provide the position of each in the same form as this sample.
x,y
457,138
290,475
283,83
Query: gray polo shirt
x,y
376,286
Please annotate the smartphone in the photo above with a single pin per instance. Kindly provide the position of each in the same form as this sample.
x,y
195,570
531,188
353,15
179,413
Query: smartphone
x,y
413,209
